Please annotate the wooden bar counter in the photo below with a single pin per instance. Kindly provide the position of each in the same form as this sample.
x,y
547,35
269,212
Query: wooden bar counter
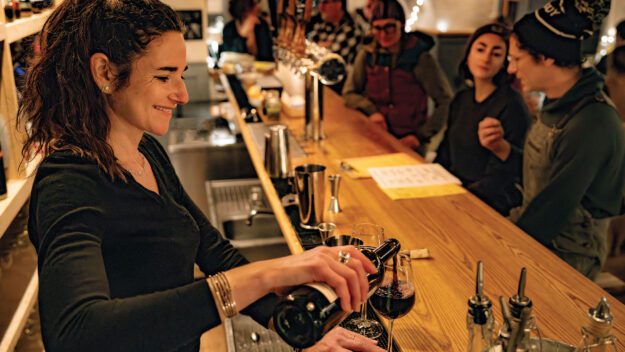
x,y
458,230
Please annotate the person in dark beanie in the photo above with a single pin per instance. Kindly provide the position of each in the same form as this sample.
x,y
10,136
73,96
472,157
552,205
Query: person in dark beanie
x,y
574,155
394,75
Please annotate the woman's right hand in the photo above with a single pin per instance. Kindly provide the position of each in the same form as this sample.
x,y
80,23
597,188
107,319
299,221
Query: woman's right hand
x,y
321,264
251,282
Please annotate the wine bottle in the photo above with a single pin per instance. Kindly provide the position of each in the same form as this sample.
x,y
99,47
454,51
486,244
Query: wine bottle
x,y
309,311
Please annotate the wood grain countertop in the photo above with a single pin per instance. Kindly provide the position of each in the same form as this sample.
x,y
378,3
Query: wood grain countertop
x,y
458,230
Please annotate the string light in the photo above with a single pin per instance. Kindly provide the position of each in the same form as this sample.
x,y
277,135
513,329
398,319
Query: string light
x,y
414,15
606,42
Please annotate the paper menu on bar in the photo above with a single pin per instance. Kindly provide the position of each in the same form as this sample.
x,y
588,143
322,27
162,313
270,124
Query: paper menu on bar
x,y
359,167
416,181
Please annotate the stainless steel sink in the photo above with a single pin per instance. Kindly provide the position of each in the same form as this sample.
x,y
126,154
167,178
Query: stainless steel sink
x,y
229,209
264,226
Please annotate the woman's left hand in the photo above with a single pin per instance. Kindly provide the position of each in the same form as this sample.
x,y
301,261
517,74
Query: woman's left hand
x,y
342,340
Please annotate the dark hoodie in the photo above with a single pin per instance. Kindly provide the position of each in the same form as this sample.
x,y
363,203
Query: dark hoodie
x,y
587,163
414,57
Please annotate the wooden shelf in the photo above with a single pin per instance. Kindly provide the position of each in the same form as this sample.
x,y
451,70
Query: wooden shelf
x,y
14,330
18,288
23,27
18,191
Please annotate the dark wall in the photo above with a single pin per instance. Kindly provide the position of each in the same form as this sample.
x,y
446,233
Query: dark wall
x,y
450,50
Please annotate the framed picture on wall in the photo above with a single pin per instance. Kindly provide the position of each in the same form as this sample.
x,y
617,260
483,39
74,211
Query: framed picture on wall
x,y
193,24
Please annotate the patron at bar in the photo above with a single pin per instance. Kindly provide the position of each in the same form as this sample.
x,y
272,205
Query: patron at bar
x,y
335,29
247,32
574,155
393,77
489,97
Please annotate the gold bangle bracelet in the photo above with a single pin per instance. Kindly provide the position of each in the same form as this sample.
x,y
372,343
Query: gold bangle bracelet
x,y
229,303
216,295
220,287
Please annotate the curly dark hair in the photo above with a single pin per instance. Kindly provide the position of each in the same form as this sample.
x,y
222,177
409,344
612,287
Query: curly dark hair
x,y
62,105
502,77
238,8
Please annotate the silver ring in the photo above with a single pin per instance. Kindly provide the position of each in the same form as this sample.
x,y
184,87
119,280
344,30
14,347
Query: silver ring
x,y
344,257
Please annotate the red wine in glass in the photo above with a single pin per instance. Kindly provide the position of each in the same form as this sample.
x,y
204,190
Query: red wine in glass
x,y
396,295
394,300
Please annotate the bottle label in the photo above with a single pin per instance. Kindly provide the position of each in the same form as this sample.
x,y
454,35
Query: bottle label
x,y
325,290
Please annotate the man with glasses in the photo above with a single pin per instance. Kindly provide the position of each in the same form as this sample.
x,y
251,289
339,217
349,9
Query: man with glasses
x,y
394,75
574,155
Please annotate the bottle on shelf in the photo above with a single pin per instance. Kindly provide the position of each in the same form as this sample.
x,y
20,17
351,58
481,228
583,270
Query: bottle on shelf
x,y
480,322
17,10
309,311
9,13
519,331
597,333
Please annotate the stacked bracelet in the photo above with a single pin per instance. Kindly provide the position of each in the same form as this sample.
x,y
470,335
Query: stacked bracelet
x,y
220,287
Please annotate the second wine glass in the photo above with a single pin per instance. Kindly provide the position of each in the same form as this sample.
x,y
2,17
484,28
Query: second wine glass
x,y
371,235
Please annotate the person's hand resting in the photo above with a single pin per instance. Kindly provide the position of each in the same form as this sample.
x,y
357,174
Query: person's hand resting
x,y
491,135
342,340
253,281
410,141
378,120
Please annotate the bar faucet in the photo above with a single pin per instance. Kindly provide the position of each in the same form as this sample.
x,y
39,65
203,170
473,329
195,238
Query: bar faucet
x,y
253,212
256,206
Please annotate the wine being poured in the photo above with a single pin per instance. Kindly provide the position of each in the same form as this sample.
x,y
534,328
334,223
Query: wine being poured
x,y
309,311
396,295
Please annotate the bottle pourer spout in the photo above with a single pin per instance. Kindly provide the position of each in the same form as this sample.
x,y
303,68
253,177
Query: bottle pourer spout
x,y
520,300
602,312
522,280
479,280
480,304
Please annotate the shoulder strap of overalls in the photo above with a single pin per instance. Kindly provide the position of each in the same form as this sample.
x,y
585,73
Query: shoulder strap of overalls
x,y
585,101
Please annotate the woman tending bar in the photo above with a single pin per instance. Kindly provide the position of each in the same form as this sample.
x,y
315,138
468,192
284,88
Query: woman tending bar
x,y
116,235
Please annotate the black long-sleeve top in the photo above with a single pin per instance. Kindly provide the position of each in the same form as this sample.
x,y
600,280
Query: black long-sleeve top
x,y
116,259
480,170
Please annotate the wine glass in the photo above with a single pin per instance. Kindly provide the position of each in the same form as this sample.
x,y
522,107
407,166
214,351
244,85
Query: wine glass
x,y
395,296
371,235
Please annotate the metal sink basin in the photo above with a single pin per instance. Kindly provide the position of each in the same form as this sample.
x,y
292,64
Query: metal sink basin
x,y
229,210
263,226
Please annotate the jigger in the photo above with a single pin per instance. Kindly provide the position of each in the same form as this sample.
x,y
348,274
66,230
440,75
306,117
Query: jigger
x,y
335,183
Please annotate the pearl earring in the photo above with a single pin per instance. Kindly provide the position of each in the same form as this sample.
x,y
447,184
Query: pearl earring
x,y
106,89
